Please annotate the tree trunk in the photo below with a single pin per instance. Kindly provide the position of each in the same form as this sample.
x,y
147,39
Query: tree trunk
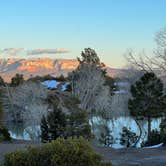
x,y
140,131
149,127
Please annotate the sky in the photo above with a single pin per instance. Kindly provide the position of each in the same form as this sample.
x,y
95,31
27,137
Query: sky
x,y
63,28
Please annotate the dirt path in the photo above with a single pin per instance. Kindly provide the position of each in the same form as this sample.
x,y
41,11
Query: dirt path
x,y
120,157
7,147
134,157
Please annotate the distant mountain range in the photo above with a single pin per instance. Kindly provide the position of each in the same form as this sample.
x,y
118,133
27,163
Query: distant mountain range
x,y
41,66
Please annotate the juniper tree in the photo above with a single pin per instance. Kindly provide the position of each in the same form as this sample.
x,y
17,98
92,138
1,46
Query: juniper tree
x,y
17,80
147,98
88,82
128,138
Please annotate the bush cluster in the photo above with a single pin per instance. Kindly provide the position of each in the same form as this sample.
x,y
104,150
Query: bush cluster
x,y
61,152
74,123
155,138
163,131
128,137
4,134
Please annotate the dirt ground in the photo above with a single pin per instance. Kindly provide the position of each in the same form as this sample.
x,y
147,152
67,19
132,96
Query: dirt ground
x,y
119,157
7,147
134,157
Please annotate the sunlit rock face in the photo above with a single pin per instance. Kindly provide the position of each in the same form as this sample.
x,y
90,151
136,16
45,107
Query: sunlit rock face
x,y
68,64
40,66
35,65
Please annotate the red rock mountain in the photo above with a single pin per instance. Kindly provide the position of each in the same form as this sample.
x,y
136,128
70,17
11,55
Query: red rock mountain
x,y
39,66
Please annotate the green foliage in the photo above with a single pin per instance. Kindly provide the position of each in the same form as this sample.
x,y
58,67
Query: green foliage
x,y
68,88
53,99
35,79
155,138
88,82
163,131
41,78
61,78
44,130
89,56
163,125
128,138
78,124
70,152
110,82
2,83
106,164
47,77
72,102
54,125
69,101
17,158
57,124
75,119
106,138
147,98
17,80
163,138
1,106
4,134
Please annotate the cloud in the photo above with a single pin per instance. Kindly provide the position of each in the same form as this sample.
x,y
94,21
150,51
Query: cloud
x,y
47,51
11,51
39,51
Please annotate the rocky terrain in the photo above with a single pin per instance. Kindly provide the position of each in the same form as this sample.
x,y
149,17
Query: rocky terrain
x,y
41,66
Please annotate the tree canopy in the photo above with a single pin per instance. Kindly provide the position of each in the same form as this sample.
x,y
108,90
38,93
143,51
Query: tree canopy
x,y
147,96
88,82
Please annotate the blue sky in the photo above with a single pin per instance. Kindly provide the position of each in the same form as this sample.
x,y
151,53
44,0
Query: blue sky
x,y
108,26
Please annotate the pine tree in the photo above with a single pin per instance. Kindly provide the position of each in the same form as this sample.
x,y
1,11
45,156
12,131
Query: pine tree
x,y
147,98
56,123
44,130
74,123
78,124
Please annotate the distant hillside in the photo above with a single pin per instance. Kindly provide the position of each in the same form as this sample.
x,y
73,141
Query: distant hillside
x,y
41,66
